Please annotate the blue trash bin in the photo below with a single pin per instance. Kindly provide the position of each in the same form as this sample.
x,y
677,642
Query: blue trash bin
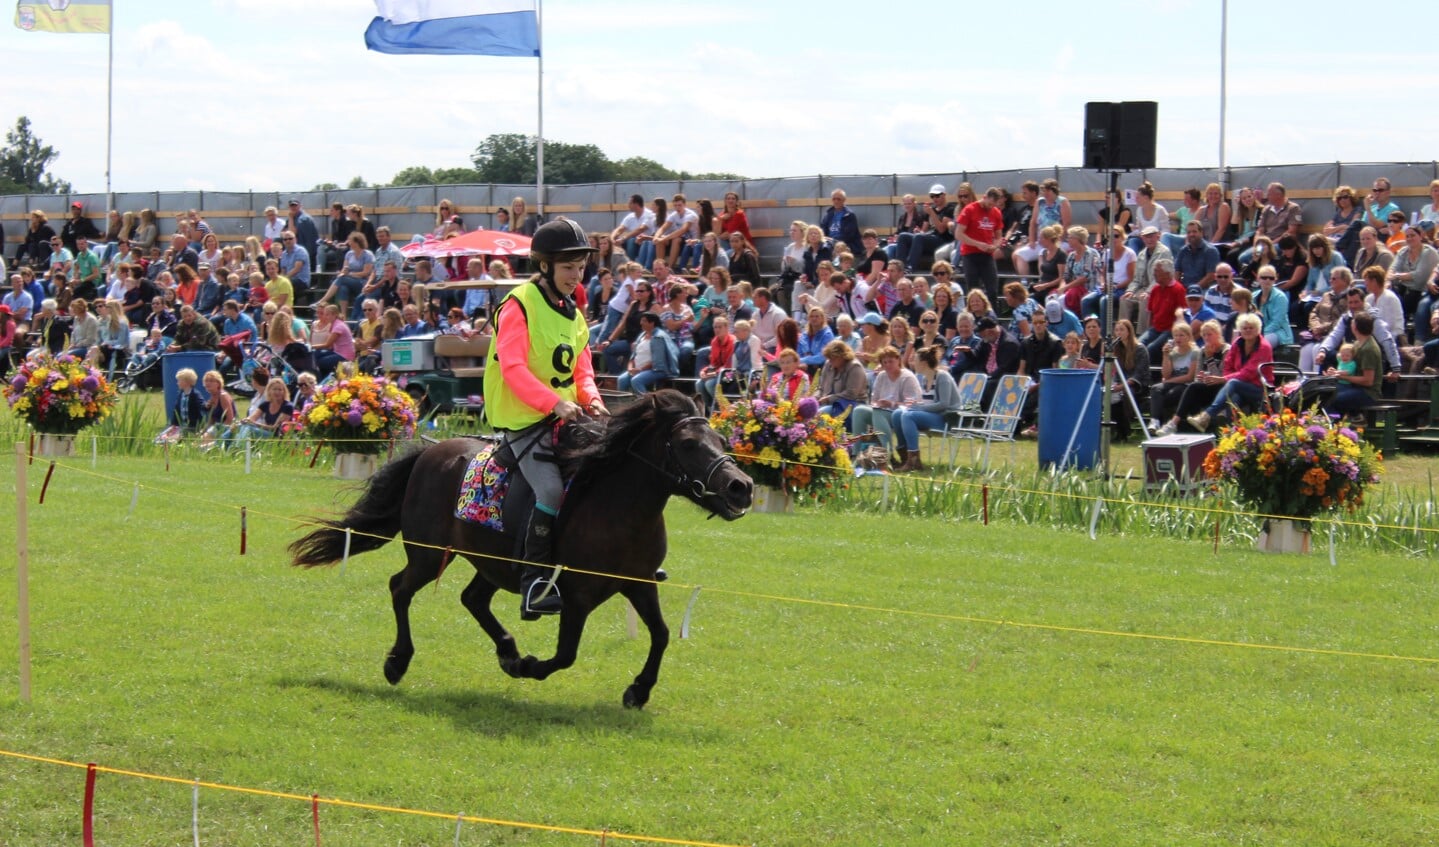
x,y
1061,398
172,363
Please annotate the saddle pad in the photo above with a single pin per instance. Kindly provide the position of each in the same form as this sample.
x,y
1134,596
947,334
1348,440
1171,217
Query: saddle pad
x,y
482,491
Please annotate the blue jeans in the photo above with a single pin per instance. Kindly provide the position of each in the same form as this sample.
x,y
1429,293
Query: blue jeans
x,y
616,355
1349,398
1245,395
914,245
647,254
326,361
690,255
1431,353
612,320
642,382
632,248
348,288
1154,342
911,422
1422,314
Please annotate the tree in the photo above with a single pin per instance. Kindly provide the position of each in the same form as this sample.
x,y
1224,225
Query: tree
x,y
505,157
457,176
358,182
325,186
414,175
640,169
23,161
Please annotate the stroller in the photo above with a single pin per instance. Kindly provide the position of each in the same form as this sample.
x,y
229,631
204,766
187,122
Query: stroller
x,y
257,354
142,369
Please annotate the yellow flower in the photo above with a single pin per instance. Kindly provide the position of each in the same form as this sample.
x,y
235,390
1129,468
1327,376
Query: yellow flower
x,y
60,385
769,457
371,421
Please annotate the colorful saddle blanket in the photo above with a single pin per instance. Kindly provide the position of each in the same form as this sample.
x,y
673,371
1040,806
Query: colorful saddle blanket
x,y
483,489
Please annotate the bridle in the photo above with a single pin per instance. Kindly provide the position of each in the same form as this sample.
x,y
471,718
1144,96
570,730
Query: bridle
x,y
692,486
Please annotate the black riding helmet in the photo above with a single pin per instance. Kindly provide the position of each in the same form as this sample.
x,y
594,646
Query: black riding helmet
x,y
560,241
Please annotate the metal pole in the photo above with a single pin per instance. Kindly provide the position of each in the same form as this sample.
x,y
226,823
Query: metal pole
x,y
1223,82
109,111
22,566
540,138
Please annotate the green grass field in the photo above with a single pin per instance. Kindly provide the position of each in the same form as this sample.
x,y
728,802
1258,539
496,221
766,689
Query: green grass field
x,y
159,648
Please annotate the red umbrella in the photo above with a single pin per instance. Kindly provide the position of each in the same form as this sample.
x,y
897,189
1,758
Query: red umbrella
x,y
481,242
488,242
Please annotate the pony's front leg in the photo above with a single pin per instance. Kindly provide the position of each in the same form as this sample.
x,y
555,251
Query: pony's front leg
x,y
645,597
572,627
477,597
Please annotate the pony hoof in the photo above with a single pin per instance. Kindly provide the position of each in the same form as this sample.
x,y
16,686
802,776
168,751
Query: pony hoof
x,y
395,667
635,698
517,667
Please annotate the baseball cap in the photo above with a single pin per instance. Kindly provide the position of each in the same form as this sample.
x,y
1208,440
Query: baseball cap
x,y
1054,311
204,266
872,318
1194,291
293,202
936,189
1149,230
987,323
77,205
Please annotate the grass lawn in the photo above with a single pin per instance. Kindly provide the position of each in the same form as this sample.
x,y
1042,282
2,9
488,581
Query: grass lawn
x,y
159,648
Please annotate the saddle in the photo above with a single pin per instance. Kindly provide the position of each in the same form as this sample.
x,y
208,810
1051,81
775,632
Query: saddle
x,y
493,493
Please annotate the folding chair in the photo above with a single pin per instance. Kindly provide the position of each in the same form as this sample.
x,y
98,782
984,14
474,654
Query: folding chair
x,y
1002,419
971,396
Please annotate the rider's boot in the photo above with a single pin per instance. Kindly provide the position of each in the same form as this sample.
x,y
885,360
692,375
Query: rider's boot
x,y
539,595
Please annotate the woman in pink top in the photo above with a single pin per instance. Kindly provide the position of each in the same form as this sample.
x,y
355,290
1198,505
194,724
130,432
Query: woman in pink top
x,y
331,340
1242,384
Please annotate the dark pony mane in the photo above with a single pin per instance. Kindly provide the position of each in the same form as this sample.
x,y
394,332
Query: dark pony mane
x,y
598,443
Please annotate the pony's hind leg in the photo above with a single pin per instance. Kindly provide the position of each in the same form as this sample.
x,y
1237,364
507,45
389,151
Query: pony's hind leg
x,y
476,597
422,568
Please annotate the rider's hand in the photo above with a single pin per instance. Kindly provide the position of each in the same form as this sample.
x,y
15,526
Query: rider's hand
x,y
597,407
566,411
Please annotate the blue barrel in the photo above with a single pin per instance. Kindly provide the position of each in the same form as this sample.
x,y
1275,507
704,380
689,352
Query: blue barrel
x,y
1062,394
198,361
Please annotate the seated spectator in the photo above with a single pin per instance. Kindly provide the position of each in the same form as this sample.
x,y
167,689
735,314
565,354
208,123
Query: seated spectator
x,y
816,337
901,337
678,320
1240,383
653,357
1165,304
914,246
114,346
843,383
193,333
928,336
1073,345
1133,365
188,413
616,346
218,410
1083,274
938,396
1359,384
1411,276
790,382
331,340
1272,304
49,329
720,356
1176,373
271,411
844,331
412,324
282,341
895,387
84,329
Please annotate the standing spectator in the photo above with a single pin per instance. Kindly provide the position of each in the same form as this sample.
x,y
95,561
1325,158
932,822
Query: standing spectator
x,y
77,225
980,232
840,224
306,233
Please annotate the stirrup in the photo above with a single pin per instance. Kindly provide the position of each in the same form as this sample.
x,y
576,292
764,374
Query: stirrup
x,y
540,597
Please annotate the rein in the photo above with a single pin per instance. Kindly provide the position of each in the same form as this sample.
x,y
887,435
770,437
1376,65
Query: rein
x,y
698,487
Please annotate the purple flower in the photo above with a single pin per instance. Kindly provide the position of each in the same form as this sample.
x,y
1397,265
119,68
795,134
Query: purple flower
x,y
18,383
807,407
354,417
90,383
1349,434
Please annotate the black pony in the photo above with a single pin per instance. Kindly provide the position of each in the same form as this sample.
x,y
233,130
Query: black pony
x,y
625,468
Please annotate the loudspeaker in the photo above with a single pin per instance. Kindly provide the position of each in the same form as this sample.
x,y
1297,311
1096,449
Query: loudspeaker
x,y
1120,136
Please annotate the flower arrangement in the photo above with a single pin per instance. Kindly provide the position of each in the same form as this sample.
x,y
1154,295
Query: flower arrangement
x,y
59,395
359,414
786,444
1294,465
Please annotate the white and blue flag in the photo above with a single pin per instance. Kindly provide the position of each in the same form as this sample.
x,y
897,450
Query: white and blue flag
x,y
465,27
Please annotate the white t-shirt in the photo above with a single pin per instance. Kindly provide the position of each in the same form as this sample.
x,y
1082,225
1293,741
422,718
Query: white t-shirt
x,y
1124,267
620,298
679,222
1390,309
645,222
642,351
1160,220
273,230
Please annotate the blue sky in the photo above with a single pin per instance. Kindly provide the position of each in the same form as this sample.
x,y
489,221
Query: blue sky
x,y
272,95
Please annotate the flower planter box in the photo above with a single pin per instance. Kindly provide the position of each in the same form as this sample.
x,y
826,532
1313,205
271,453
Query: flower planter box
x,y
1282,536
55,446
355,465
772,500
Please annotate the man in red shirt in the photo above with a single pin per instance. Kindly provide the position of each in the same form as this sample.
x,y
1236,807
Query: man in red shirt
x,y
980,232
1166,299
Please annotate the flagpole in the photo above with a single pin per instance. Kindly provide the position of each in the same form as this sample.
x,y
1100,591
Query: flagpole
x,y
109,110
540,99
